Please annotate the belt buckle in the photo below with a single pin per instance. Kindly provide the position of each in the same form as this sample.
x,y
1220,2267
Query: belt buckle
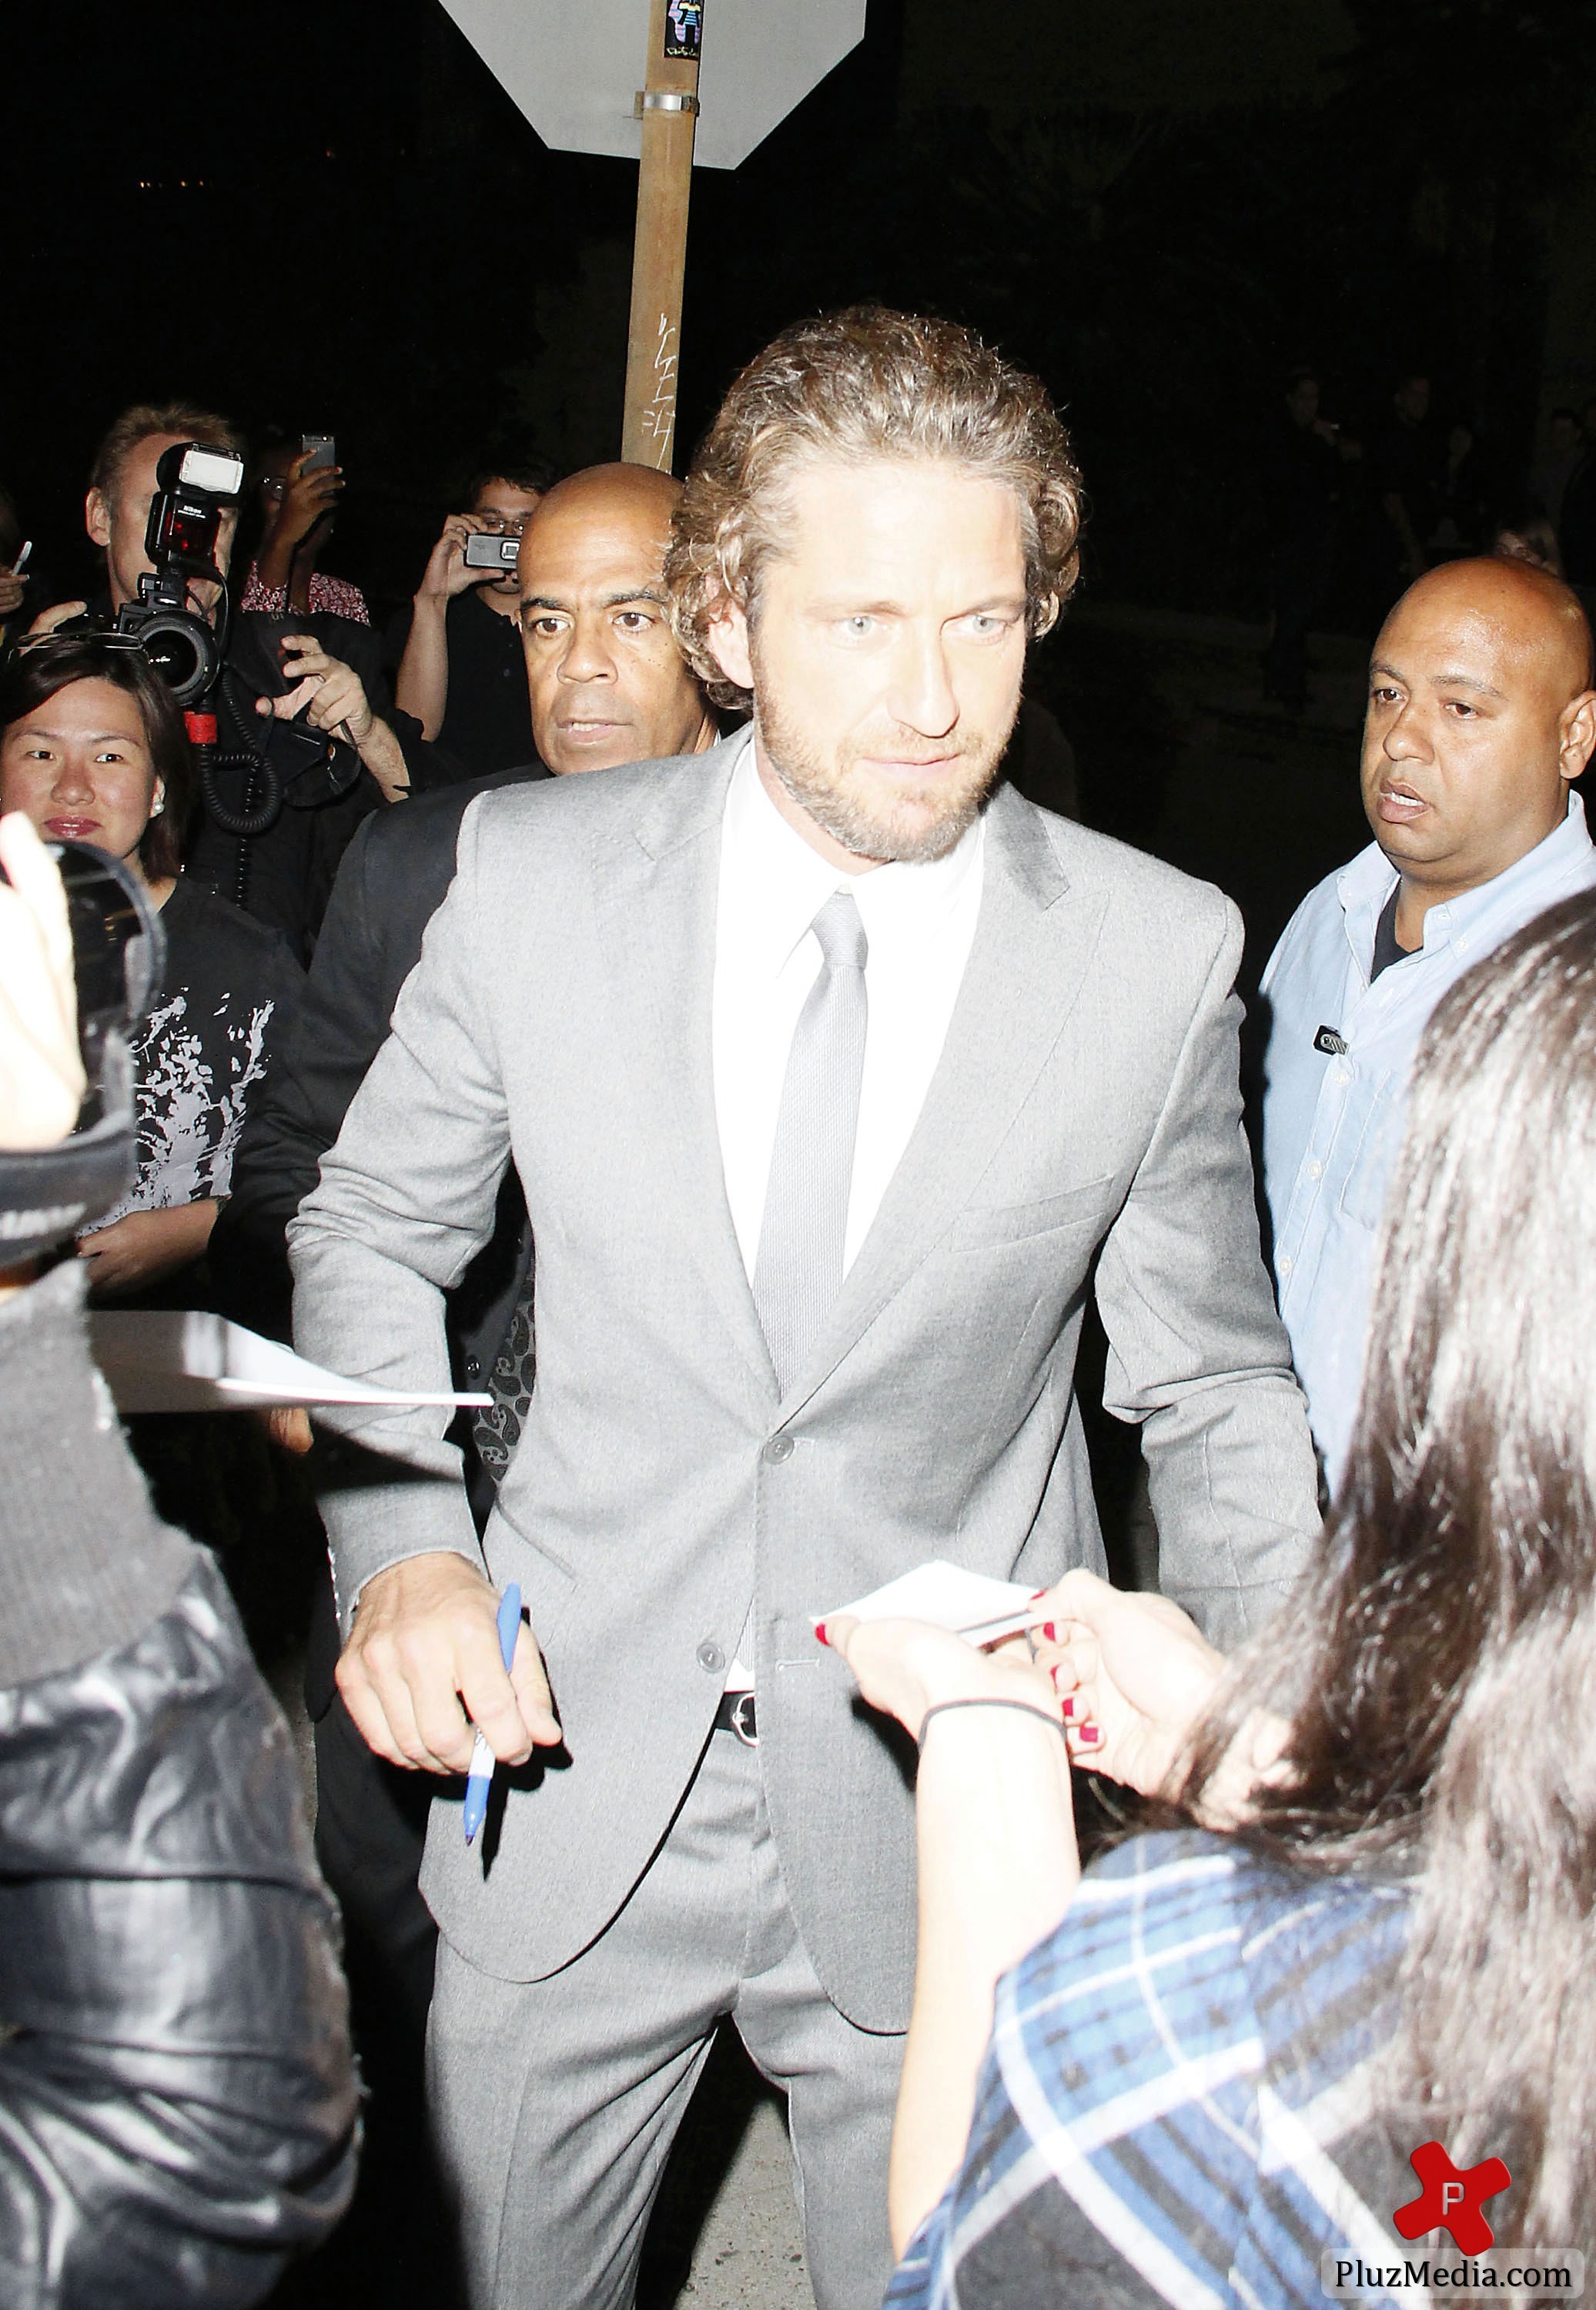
x,y
745,1723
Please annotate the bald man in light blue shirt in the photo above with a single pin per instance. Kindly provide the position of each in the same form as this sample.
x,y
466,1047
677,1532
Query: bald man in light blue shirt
x,y
1481,714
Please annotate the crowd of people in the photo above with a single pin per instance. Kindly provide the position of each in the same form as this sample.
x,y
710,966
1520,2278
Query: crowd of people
x,y
748,1125
1358,506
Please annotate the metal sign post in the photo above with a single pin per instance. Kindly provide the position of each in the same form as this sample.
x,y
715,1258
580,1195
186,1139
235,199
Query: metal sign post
x,y
667,105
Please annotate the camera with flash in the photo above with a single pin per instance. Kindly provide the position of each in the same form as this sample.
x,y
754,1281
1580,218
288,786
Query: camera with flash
x,y
193,486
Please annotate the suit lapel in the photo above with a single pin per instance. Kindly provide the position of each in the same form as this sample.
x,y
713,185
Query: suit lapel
x,y
1032,945
656,887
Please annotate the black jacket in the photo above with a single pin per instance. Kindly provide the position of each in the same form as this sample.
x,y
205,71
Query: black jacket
x,y
284,876
178,2101
395,876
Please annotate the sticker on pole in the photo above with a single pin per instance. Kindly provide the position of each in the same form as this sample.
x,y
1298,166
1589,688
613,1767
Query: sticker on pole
x,y
684,30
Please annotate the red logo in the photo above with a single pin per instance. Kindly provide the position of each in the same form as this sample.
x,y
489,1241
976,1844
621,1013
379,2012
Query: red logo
x,y
1452,2199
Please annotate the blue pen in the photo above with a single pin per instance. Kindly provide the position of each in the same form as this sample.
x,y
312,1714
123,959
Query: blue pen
x,y
481,1757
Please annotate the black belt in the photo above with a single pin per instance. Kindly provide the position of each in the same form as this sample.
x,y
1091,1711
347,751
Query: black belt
x,y
736,1714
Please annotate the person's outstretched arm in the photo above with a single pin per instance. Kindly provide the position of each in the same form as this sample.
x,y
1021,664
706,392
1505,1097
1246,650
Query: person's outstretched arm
x,y
997,1866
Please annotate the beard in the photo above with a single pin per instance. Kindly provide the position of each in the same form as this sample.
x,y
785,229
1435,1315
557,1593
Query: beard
x,y
905,823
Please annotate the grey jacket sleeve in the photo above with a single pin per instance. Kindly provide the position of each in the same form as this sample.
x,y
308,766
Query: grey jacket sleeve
x,y
407,1199
1197,1353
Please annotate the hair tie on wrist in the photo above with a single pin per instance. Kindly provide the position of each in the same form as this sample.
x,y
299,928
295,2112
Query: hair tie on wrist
x,y
1028,1707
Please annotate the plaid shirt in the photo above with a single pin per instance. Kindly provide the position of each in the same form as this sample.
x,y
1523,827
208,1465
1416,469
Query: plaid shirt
x,y
1175,2104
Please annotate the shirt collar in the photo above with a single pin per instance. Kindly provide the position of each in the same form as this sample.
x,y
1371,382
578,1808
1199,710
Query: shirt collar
x,y
1364,887
778,883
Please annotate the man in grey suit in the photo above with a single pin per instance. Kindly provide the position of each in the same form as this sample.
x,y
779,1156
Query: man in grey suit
x,y
829,1073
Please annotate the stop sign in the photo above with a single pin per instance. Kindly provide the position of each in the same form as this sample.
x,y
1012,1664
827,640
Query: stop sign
x,y
575,66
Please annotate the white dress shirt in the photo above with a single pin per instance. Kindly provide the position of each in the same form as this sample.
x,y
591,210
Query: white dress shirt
x,y
1333,1118
919,922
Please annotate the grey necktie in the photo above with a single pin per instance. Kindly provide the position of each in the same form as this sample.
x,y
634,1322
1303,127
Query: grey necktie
x,y
798,1267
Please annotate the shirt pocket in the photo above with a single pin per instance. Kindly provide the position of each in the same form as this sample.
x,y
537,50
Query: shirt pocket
x,y
1369,1177
1003,1223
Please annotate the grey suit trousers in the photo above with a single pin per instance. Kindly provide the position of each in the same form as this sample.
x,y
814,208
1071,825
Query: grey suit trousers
x,y
556,2101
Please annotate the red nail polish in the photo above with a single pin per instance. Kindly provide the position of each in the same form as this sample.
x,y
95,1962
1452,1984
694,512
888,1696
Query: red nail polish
x,y
1037,1595
1050,1630
820,1632
1089,1736
1067,1706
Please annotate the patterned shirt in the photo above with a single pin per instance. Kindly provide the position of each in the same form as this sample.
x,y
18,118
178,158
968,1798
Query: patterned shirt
x,y
1175,2104
332,598
204,1049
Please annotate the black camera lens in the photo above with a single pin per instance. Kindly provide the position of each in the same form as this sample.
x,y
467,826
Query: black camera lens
x,y
183,652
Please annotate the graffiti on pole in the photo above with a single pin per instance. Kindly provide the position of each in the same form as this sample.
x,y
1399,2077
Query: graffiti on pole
x,y
657,417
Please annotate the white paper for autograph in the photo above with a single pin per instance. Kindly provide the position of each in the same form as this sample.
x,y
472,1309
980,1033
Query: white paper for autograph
x,y
970,1604
182,1360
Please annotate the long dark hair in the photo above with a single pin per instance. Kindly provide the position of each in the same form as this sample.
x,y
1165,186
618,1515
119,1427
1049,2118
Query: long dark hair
x,y
1439,1660
52,663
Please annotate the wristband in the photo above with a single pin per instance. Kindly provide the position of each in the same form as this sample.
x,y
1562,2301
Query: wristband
x,y
1027,1707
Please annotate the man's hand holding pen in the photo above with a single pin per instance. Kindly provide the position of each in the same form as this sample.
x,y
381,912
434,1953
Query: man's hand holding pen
x,y
421,1673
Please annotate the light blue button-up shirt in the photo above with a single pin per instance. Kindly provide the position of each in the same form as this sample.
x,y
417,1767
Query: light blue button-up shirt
x,y
1333,1121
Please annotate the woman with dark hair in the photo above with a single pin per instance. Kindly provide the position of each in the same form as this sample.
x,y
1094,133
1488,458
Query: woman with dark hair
x,y
1359,1925
92,749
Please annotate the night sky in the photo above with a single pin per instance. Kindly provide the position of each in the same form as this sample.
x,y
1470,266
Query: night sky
x,y
335,220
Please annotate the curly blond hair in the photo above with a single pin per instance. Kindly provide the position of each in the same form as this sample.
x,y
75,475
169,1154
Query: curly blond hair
x,y
857,386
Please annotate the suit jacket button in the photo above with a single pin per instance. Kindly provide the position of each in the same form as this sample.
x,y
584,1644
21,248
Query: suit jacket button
x,y
711,1658
473,1370
779,1448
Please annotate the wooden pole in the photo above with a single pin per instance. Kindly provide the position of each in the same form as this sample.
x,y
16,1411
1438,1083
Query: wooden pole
x,y
664,183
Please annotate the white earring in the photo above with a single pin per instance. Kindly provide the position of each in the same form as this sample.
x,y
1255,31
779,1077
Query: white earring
x,y
157,806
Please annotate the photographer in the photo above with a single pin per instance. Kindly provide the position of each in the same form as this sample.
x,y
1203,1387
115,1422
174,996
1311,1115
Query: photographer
x,y
282,873
461,672
177,2103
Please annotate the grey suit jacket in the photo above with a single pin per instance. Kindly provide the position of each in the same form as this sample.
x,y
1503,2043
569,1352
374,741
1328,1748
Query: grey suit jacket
x,y
1087,1098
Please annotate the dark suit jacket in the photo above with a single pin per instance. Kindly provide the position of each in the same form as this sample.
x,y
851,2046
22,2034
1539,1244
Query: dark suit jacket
x,y
396,873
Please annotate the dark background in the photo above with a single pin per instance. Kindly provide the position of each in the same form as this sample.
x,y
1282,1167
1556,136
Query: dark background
x,y
335,220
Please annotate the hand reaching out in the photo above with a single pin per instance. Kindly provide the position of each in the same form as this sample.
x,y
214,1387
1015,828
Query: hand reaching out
x,y
1134,1667
907,1667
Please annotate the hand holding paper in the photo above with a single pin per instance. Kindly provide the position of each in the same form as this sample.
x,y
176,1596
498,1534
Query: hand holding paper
x,y
971,1603
915,1644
